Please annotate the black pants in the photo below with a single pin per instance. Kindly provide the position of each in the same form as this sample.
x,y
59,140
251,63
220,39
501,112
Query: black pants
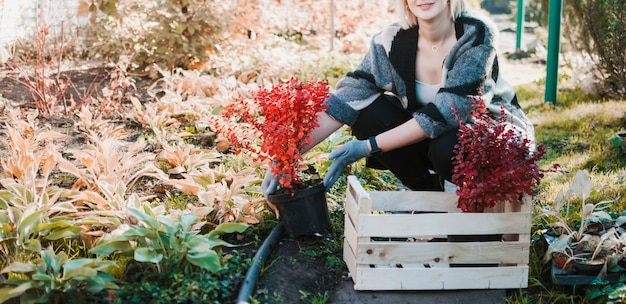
x,y
410,164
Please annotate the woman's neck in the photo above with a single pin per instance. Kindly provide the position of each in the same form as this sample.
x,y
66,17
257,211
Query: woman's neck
x,y
437,30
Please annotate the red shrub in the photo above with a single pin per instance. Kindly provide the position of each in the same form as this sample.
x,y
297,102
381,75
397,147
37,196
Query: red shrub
x,y
281,118
493,164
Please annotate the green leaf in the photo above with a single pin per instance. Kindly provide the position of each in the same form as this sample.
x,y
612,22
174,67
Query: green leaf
x,y
9,293
19,267
102,280
148,255
108,247
213,235
28,224
5,199
32,245
54,262
78,270
216,242
53,225
42,277
64,207
227,228
144,217
208,260
581,184
168,227
69,232
186,220
133,233
618,293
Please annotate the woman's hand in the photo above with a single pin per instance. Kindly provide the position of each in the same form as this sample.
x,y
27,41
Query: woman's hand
x,y
342,156
270,182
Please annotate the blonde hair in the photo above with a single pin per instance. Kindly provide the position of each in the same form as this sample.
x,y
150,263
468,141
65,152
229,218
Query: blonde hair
x,y
408,20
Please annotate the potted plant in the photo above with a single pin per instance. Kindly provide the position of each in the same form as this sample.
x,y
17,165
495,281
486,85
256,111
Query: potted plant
x,y
274,125
492,165
585,241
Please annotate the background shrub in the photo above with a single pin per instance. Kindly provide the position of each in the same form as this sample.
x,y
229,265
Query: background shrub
x,y
599,28
168,33
596,29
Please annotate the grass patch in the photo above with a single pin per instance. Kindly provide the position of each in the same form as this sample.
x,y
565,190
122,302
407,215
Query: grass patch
x,y
575,133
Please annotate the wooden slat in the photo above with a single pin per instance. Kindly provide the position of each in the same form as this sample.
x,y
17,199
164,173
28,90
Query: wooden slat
x,y
356,190
442,253
429,224
350,235
441,278
351,207
350,259
427,201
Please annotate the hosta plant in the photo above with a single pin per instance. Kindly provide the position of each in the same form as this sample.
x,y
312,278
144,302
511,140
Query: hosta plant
x,y
222,190
167,243
573,229
275,124
45,280
492,163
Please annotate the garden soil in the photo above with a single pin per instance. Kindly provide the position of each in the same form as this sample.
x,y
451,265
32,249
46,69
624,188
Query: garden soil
x,y
289,275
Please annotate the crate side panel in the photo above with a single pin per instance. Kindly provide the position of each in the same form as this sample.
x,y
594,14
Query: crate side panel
x,y
350,234
423,201
350,259
380,253
441,278
351,209
432,224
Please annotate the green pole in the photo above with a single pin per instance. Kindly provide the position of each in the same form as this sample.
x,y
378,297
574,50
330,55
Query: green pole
x,y
554,37
520,25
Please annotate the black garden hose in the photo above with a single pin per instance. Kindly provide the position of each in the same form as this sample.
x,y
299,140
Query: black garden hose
x,y
247,288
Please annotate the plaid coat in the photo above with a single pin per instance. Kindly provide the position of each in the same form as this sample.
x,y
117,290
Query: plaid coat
x,y
470,69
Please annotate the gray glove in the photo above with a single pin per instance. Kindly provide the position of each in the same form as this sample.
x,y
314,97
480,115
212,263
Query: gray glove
x,y
270,183
344,155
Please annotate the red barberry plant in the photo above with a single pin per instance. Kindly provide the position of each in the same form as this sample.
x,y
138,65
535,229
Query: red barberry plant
x,y
493,163
275,124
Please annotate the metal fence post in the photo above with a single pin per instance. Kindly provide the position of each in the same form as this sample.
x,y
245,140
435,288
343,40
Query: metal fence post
x,y
520,25
554,44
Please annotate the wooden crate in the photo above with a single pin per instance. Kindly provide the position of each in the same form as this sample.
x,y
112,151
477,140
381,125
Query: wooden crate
x,y
390,242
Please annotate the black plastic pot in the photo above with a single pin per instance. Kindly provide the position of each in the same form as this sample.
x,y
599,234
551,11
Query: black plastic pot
x,y
586,266
303,211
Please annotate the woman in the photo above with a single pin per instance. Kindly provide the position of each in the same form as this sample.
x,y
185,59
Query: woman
x,y
417,80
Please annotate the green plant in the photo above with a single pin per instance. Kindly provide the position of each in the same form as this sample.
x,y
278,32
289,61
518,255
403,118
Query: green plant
x,y
597,28
608,294
176,34
45,280
166,243
561,222
29,207
224,191
185,158
180,286
108,161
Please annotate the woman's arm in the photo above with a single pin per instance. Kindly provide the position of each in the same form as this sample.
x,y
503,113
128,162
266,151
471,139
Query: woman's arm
x,y
403,135
327,125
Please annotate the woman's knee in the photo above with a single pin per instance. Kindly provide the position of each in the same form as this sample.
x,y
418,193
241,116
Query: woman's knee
x,y
441,153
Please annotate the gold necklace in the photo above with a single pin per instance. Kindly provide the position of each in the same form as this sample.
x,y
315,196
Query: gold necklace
x,y
435,48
